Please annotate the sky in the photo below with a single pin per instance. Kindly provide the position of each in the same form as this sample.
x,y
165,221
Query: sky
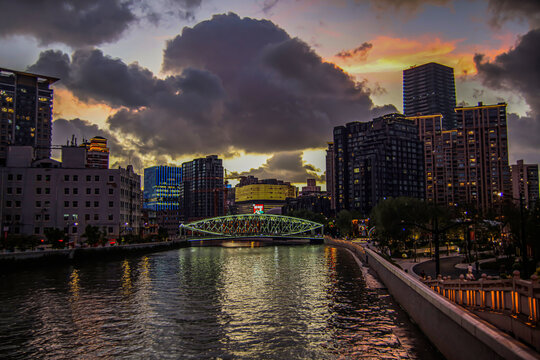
x,y
263,83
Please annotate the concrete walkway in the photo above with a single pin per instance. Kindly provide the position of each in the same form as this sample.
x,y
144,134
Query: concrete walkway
x,y
409,264
464,266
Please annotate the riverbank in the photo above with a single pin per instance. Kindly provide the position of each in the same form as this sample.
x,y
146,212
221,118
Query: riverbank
x,y
26,259
457,333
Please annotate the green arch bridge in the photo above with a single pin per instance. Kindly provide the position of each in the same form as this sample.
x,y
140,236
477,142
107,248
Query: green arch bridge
x,y
249,227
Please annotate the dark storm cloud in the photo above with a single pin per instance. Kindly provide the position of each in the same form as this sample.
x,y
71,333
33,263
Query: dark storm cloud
x,y
81,23
504,10
235,84
517,70
222,45
358,53
91,75
75,23
287,166
278,93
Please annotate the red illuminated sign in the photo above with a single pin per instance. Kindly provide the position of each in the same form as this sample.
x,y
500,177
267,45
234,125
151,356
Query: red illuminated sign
x,y
258,208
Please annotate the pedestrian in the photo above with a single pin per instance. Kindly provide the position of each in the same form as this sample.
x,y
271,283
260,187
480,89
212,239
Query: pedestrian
x,y
423,274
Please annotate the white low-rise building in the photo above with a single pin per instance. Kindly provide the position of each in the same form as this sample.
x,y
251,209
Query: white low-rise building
x,y
67,195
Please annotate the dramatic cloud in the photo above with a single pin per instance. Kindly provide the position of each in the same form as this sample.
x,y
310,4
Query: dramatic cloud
x,y
87,23
504,10
75,23
287,166
359,53
235,84
391,54
90,75
517,70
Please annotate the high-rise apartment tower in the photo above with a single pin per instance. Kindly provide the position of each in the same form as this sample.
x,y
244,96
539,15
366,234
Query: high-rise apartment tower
x,y
430,89
375,160
202,188
25,112
525,183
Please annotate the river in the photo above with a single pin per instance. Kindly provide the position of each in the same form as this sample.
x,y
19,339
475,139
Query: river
x,y
275,302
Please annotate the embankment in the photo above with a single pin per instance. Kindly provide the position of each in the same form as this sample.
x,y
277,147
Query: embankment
x,y
457,333
26,259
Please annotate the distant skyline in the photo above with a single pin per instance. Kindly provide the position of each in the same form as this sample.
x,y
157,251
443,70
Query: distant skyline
x,y
263,83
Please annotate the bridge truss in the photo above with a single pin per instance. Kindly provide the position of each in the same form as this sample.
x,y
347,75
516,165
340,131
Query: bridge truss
x,y
266,225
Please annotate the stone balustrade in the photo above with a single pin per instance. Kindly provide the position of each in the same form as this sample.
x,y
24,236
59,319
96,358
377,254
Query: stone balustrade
x,y
513,296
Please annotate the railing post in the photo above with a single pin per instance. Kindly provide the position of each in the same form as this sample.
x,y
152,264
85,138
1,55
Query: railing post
x,y
515,295
460,292
533,303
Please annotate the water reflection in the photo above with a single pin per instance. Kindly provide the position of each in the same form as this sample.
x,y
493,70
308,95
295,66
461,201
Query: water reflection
x,y
306,302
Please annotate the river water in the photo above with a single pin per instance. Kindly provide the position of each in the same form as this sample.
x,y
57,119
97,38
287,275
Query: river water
x,y
282,302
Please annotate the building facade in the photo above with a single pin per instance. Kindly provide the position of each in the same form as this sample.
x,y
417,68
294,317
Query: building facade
x,y
467,166
36,195
330,185
317,203
202,191
25,112
525,183
162,187
430,89
375,160
443,160
310,188
485,155
270,193
97,153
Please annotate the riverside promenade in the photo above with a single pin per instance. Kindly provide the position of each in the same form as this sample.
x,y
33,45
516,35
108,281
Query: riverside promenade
x,y
455,331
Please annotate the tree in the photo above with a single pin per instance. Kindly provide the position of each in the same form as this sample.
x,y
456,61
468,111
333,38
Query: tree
x,y
308,215
27,242
344,222
92,235
56,237
395,220
163,234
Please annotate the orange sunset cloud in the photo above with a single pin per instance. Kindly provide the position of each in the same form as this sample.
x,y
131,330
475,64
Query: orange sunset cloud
x,y
67,106
389,54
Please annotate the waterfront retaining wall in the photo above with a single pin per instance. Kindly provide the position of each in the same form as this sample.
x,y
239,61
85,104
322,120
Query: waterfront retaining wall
x,y
16,260
457,333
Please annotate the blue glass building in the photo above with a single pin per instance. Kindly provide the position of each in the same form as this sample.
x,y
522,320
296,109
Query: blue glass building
x,y
162,187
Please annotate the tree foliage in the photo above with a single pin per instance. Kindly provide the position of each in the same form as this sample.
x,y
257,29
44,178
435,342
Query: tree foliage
x,y
56,237
162,234
397,219
93,235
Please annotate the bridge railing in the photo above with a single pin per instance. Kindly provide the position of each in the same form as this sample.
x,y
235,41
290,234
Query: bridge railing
x,y
514,296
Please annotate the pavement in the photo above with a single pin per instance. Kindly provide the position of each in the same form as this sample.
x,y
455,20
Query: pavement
x,y
451,265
